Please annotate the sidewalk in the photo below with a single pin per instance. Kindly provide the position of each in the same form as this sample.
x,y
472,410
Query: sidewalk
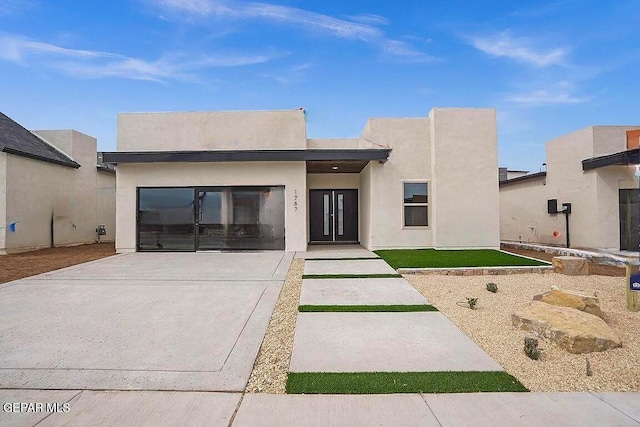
x,y
158,409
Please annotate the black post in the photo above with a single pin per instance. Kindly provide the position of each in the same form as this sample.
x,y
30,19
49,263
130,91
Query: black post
x,y
566,218
53,245
566,210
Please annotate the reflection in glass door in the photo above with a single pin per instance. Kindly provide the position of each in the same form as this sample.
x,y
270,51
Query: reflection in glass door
x,y
165,219
239,218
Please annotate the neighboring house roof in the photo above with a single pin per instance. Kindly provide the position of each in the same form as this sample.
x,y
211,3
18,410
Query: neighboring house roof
x,y
629,157
523,178
15,139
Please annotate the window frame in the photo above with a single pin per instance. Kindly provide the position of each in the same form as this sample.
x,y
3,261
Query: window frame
x,y
427,204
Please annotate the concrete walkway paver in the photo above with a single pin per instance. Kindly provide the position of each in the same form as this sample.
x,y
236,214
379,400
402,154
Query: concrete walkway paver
x,y
381,291
384,342
361,266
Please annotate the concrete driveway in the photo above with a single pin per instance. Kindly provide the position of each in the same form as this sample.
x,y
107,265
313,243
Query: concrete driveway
x,y
142,321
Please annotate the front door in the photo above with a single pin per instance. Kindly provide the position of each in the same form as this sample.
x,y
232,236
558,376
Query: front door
x,y
333,215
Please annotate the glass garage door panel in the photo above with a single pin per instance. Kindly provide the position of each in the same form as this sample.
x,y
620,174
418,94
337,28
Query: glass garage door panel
x,y
241,218
211,219
166,219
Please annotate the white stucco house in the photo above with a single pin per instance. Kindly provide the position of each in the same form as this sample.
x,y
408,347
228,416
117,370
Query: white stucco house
x,y
593,170
53,191
190,181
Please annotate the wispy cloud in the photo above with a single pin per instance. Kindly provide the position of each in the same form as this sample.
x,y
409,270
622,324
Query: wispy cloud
x,y
363,27
369,18
405,52
522,49
559,93
13,7
98,64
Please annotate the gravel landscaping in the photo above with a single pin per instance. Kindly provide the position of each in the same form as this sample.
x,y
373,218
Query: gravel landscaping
x,y
490,327
270,370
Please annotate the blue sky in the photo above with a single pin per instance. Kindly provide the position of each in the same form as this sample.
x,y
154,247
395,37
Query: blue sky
x,y
549,67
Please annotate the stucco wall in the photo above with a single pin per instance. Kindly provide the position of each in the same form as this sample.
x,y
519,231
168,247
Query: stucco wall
x,y
290,174
38,191
409,160
227,130
610,139
365,207
594,197
106,204
3,202
523,216
464,190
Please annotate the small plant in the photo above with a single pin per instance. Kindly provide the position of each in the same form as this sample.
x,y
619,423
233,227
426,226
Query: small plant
x,y
531,348
471,303
492,287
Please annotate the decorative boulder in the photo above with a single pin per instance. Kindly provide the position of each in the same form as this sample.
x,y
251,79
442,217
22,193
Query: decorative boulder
x,y
571,329
573,299
570,265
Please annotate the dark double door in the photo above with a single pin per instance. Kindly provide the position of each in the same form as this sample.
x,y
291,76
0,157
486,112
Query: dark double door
x,y
333,216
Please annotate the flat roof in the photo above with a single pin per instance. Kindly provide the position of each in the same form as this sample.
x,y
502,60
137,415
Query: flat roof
x,y
246,155
628,157
523,178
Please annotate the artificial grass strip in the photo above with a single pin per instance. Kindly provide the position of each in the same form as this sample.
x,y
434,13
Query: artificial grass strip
x,y
350,276
341,259
365,308
401,382
431,258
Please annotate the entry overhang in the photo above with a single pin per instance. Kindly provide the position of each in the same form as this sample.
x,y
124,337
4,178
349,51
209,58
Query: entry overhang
x,y
629,157
364,154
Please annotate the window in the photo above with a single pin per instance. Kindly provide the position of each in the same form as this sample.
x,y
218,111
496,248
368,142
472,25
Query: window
x,y
416,204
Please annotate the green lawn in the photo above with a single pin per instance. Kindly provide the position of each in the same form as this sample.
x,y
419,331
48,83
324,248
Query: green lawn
x,y
401,382
365,308
431,258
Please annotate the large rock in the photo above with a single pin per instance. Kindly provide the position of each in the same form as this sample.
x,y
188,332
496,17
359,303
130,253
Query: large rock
x,y
573,299
570,265
573,330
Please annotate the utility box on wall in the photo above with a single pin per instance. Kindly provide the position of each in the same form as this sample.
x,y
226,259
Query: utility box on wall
x,y
552,206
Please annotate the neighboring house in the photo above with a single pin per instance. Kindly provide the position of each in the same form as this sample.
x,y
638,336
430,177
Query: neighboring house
x,y
52,191
593,169
505,174
253,180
